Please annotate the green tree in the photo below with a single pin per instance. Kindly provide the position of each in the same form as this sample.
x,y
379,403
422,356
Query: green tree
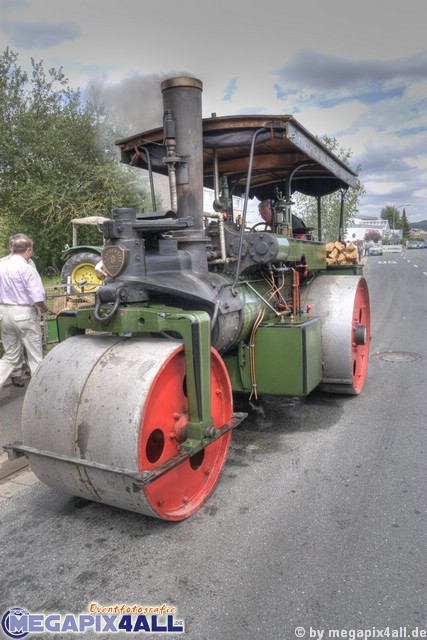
x,y
306,206
405,225
56,163
391,213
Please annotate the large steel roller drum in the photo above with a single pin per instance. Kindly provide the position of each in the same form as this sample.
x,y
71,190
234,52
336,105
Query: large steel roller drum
x,y
342,303
122,403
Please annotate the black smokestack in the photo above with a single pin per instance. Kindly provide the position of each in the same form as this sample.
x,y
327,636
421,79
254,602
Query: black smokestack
x,y
182,102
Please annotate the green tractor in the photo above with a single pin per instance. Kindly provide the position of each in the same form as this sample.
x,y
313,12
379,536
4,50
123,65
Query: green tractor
x,y
78,270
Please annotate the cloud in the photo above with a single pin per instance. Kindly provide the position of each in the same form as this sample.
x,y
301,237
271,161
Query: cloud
x,y
312,79
10,6
361,80
367,95
309,68
39,35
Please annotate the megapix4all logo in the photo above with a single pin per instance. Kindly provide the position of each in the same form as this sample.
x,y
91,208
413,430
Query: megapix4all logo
x,y
18,623
11,623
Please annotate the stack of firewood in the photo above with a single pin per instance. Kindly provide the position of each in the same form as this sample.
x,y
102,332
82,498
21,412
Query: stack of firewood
x,y
61,303
339,253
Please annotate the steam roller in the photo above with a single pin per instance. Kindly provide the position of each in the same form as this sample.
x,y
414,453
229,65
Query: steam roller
x,y
197,306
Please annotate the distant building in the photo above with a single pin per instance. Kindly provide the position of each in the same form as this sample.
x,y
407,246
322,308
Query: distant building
x,y
209,197
418,233
359,226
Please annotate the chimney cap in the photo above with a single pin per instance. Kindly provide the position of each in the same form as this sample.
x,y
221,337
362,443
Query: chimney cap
x,y
182,81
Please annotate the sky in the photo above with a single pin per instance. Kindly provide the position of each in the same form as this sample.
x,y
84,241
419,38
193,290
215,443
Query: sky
x,y
356,71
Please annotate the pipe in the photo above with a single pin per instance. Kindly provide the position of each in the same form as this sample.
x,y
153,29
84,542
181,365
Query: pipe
x,y
295,292
319,218
341,227
133,161
245,206
220,217
182,96
288,193
171,158
216,203
182,99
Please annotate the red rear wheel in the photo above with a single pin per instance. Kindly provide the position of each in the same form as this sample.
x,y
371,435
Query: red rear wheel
x,y
361,332
342,304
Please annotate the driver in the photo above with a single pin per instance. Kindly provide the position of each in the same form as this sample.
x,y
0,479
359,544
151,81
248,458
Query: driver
x,y
265,211
298,227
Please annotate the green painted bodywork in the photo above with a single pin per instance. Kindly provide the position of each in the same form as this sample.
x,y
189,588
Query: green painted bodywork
x,y
287,358
345,269
51,330
314,253
287,348
195,329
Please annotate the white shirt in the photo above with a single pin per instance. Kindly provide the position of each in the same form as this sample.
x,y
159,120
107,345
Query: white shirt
x,y
19,282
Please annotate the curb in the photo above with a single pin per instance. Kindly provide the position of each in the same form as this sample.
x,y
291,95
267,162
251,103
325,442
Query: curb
x,y
7,467
16,483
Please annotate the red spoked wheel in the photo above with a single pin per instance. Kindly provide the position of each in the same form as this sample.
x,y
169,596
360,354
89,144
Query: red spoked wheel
x,y
265,226
183,490
361,336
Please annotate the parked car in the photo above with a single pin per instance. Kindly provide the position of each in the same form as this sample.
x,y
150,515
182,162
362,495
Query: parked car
x,y
376,249
420,245
412,244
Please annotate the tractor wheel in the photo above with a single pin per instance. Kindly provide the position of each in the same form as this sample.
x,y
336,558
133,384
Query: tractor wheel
x,y
80,268
121,404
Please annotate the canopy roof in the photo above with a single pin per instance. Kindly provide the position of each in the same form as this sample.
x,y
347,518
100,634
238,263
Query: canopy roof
x,y
91,220
283,147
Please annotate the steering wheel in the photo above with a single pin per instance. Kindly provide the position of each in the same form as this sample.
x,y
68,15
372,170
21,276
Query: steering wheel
x,y
260,224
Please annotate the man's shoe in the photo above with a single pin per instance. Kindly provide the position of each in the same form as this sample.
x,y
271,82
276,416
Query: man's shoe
x,y
17,381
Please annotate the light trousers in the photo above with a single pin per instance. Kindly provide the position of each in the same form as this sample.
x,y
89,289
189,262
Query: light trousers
x,y
20,329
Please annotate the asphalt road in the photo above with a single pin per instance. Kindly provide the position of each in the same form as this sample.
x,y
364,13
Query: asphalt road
x,y
318,521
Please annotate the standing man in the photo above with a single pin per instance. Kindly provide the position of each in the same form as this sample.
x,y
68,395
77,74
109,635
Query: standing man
x,y
22,299
16,375
16,236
